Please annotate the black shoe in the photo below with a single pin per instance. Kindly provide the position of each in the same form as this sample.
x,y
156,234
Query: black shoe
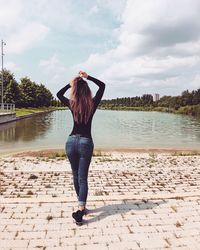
x,y
86,211
78,216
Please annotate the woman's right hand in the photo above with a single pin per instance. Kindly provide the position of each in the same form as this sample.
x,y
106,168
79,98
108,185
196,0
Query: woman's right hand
x,y
83,74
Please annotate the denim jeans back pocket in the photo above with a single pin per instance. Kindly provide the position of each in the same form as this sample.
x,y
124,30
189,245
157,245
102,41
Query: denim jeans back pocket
x,y
86,146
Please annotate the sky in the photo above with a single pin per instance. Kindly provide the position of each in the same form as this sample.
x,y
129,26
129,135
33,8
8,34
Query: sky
x,y
135,46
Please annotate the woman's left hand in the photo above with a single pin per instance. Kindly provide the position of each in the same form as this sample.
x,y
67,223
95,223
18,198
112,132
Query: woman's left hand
x,y
83,74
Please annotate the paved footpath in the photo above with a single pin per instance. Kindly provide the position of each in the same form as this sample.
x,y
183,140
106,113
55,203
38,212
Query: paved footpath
x,y
135,201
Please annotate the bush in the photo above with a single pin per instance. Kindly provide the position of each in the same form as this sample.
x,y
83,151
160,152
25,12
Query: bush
x,y
193,110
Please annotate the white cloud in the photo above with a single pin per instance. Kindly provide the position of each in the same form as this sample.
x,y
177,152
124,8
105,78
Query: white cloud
x,y
195,82
18,29
53,64
12,66
113,6
146,44
93,10
52,72
27,37
26,24
10,15
159,45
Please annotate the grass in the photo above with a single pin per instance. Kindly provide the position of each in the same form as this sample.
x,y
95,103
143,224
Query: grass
x,y
97,153
57,155
126,108
192,110
45,155
28,111
62,155
186,153
103,159
152,155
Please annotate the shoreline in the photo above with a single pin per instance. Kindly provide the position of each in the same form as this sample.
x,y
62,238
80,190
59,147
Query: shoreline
x,y
106,151
17,118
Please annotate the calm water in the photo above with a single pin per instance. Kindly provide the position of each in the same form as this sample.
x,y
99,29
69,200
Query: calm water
x,y
110,129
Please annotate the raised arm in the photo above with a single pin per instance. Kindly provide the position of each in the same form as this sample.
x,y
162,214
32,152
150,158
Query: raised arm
x,y
100,91
61,96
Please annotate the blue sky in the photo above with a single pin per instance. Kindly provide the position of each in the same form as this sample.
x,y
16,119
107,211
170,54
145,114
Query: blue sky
x,y
134,46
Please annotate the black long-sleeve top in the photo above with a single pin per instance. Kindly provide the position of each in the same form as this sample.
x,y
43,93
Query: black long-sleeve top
x,y
82,128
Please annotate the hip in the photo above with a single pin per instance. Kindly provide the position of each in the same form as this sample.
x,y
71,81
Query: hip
x,y
80,138
79,144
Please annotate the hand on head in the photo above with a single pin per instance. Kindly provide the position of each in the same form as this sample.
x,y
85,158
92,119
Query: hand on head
x,y
83,74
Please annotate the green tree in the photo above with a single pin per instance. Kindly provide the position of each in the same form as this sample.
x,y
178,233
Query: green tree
x,y
7,77
164,101
186,98
43,96
196,97
13,93
147,100
175,102
28,90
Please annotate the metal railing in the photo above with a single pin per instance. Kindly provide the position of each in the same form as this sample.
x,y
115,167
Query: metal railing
x,y
7,107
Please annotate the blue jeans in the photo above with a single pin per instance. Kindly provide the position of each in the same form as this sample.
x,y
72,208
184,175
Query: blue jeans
x,y
79,152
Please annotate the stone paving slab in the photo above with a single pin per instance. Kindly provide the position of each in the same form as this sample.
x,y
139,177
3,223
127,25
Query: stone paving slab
x,y
119,174
130,224
135,201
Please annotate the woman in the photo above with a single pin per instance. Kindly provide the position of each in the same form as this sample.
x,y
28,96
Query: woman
x,y
79,145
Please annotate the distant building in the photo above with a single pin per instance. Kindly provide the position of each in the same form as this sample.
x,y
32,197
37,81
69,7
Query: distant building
x,y
156,97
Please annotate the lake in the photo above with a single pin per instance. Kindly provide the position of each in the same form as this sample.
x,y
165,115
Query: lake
x,y
110,129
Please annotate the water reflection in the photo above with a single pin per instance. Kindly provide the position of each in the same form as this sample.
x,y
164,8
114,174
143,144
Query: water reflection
x,y
7,131
26,129
110,129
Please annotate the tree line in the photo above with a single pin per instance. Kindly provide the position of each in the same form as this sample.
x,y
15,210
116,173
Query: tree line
x,y
174,102
26,93
185,99
137,101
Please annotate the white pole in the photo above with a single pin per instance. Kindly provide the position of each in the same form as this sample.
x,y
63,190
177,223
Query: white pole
x,y
2,73
2,54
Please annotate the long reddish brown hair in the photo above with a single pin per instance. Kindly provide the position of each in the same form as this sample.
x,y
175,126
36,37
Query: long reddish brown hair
x,y
81,100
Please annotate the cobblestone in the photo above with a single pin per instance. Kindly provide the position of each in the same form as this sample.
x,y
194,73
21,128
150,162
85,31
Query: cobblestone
x,y
135,201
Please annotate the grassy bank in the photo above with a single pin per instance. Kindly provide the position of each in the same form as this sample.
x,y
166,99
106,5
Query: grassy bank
x,y
112,107
193,110
27,111
147,108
